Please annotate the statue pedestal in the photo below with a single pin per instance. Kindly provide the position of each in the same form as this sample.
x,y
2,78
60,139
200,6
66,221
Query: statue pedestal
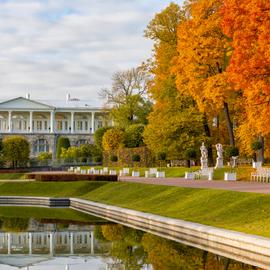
x,y
204,163
219,163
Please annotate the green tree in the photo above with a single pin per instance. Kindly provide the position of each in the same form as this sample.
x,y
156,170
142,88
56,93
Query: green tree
x,y
133,136
62,142
16,150
113,139
127,97
98,135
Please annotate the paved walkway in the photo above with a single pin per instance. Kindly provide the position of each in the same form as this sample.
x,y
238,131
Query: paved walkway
x,y
242,186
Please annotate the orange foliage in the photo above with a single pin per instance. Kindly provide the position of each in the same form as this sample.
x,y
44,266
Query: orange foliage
x,y
202,60
247,22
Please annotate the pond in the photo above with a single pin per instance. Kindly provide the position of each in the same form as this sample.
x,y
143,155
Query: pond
x,y
92,243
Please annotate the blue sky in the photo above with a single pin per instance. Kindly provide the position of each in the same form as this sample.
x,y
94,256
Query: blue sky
x,y
51,47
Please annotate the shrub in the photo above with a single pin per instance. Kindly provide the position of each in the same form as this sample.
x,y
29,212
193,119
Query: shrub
x,y
72,152
113,139
16,150
133,136
113,158
62,142
44,156
136,158
63,177
231,151
98,136
162,156
97,159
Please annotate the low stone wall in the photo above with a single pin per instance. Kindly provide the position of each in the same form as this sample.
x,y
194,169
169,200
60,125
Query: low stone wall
x,y
34,201
246,248
249,249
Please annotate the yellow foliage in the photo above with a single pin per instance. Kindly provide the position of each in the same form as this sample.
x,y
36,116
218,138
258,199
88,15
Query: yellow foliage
x,y
113,139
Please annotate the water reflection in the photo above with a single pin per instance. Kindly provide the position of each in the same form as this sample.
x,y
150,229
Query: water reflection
x,y
44,245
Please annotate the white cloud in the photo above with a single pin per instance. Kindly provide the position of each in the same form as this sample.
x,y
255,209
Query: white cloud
x,y
56,46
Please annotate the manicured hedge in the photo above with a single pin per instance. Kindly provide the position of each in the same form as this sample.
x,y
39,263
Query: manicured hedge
x,y
63,177
14,170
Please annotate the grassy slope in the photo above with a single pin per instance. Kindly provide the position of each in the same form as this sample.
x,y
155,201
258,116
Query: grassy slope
x,y
246,212
45,213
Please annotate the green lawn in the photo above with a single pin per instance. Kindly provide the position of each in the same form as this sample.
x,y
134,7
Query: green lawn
x,y
246,212
11,176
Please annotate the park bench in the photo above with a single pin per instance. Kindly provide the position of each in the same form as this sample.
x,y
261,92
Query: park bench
x,y
261,175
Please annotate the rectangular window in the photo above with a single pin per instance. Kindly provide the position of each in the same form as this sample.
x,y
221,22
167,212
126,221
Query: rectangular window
x,y
39,125
66,125
45,125
59,125
79,125
86,125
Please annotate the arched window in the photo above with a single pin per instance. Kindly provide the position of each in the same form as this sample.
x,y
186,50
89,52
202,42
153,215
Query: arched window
x,y
41,145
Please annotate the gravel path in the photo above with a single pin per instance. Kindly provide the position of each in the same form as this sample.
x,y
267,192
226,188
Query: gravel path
x,y
242,186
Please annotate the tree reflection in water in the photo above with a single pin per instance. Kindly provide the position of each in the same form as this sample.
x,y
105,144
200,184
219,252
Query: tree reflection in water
x,y
135,248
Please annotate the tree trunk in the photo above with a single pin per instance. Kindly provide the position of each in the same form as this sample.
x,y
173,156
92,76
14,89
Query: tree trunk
x,y
229,123
261,151
208,134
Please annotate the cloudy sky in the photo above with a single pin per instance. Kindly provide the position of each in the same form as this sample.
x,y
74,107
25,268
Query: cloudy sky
x,y
51,47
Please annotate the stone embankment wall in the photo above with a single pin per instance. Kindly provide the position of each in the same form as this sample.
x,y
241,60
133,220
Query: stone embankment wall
x,y
249,249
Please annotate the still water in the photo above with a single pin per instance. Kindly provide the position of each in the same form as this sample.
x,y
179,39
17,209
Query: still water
x,y
38,244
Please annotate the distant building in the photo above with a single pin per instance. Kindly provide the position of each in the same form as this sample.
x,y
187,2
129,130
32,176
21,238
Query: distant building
x,y
43,121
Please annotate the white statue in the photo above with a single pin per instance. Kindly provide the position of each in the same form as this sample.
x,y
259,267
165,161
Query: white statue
x,y
219,163
204,157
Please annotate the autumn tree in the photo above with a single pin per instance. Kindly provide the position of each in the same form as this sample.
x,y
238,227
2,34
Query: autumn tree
x,y
247,23
127,97
113,139
202,60
169,130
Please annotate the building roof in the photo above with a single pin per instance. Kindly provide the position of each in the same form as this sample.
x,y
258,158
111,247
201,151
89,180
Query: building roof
x,y
68,103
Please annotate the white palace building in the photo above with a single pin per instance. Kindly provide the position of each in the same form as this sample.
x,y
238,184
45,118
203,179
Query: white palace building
x,y
43,121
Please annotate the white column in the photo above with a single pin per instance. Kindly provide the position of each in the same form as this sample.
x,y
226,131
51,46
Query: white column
x,y
72,122
52,122
9,121
30,243
31,122
92,243
9,243
51,243
93,122
71,243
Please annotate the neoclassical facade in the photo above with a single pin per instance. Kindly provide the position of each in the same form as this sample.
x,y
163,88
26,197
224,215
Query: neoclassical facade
x,y
42,122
